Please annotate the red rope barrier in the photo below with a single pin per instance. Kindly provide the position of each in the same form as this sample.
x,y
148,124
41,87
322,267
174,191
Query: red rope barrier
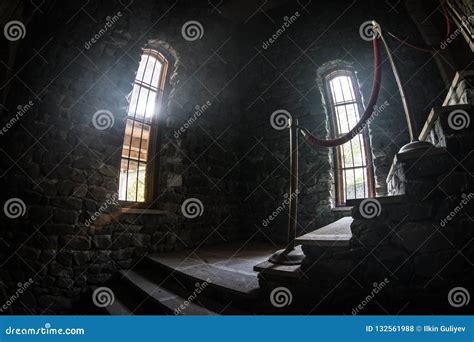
x,y
427,48
367,114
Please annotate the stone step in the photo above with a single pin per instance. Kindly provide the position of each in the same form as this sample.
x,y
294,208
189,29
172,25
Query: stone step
x,y
166,299
336,234
227,284
118,308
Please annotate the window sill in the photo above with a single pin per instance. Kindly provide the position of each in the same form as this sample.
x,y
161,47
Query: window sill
x,y
341,209
143,211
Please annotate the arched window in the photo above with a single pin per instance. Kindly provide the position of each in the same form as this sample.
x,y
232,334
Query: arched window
x,y
352,160
139,144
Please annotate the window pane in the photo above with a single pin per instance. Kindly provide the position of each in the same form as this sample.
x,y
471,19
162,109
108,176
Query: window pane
x,y
352,152
145,68
136,182
123,180
149,71
349,184
342,89
348,116
360,182
346,154
140,140
142,104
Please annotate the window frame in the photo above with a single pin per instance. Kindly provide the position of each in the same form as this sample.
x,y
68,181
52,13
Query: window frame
x,y
338,168
156,128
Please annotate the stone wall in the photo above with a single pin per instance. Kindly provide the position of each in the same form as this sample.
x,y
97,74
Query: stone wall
x,y
283,75
65,170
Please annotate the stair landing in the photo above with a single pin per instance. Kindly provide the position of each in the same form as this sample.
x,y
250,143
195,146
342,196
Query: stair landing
x,y
228,266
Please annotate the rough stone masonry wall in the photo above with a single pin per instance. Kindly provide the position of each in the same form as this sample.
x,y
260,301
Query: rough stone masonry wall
x,y
283,75
65,170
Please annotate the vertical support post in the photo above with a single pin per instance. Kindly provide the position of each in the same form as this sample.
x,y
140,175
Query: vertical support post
x,y
293,191
414,143
290,256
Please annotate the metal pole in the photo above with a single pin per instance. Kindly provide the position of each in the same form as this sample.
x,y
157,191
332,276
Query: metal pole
x,y
293,195
409,116
289,255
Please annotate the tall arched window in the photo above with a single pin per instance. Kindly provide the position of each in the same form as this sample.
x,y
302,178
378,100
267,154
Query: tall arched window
x,y
353,167
139,144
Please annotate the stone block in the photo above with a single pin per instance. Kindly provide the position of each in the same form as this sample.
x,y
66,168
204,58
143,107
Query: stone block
x,y
102,241
122,254
121,240
65,216
75,242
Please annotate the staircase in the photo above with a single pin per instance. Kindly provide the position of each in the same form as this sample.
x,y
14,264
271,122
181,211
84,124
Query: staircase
x,y
207,282
402,246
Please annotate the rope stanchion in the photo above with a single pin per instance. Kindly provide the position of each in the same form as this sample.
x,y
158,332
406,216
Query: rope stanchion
x,y
311,139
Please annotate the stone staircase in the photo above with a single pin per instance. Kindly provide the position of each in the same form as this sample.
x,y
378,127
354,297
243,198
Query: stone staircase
x,y
405,243
180,284
403,248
